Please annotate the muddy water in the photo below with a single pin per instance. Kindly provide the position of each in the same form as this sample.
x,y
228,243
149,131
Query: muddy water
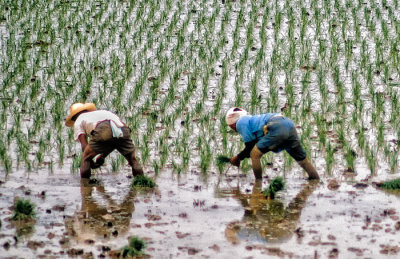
x,y
219,216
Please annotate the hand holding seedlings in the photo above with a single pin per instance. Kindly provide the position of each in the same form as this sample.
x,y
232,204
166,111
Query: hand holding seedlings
x,y
235,161
221,159
280,135
106,132
97,161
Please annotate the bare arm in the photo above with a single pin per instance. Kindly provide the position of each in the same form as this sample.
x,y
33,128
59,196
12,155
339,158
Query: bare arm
x,y
82,138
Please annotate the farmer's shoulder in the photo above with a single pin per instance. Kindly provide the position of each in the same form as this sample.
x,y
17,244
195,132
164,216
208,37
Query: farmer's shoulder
x,y
243,120
254,118
106,112
263,118
98,114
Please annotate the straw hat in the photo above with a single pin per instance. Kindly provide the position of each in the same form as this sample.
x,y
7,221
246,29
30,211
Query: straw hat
x,y
75,109
233,115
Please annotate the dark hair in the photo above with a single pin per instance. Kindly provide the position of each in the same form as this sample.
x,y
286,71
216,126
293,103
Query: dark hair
x,y
77,115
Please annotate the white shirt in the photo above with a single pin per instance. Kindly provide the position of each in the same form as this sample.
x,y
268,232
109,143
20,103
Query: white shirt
x,y
86,122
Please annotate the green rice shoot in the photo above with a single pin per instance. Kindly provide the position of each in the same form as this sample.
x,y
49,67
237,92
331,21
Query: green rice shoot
x,y
142,181
390,185
135,247
23,210
277,184
221,160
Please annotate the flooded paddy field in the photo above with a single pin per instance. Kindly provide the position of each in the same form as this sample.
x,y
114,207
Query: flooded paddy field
x,y
189,216
171,69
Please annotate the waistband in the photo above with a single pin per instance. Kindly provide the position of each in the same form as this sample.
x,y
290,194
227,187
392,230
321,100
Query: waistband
x,y
108,122
277,116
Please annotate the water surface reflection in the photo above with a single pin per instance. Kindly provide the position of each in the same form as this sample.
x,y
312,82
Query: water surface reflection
x,y
100,216
266,220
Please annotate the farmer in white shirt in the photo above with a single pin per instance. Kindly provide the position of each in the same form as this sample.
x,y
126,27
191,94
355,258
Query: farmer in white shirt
x,y
267,132
105,131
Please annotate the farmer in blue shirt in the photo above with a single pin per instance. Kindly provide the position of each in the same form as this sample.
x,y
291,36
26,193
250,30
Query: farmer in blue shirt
x,y
267,132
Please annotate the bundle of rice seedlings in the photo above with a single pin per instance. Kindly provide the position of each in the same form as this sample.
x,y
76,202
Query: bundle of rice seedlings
x,y
135,247
221,159
23,210
390,185
277,184
142,181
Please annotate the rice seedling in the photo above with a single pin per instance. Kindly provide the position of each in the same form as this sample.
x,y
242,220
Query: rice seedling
x,y
371,159
321,129
156,167
23,210
115,165
393,160
380,137
341,133
329,158
222,159
389,185
177,168
145,150
135,248
277,184
6,160
287,161
143,181
205,158
350,157
185,157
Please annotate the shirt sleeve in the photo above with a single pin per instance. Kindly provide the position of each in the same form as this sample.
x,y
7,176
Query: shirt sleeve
x,y
242,126
78,129
245,153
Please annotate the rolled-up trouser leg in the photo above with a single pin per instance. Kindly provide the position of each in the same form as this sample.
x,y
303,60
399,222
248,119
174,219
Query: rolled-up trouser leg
x,y
256,155
136,167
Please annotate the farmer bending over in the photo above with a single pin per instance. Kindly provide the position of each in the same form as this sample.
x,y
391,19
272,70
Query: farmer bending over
x,y
106,132
267,132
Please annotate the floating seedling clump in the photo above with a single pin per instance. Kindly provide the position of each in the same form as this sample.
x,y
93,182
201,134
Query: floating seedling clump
x,y
390,185
135,247
23,210
277,184
143,181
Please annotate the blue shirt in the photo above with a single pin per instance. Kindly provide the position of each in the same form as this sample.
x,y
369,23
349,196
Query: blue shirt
x,y
250,127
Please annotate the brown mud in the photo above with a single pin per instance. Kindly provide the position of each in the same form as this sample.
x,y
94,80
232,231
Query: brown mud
x,y
218,216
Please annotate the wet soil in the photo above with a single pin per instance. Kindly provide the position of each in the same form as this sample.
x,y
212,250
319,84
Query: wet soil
x,y
217,216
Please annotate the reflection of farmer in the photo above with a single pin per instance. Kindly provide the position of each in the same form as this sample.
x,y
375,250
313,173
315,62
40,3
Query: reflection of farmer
x,y
266,220
95,220
106,132
267,132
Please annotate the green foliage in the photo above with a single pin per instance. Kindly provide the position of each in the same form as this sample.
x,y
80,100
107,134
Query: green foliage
x,y
277,184
23,210
390,185
319,38
135,247
142,181
221,160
